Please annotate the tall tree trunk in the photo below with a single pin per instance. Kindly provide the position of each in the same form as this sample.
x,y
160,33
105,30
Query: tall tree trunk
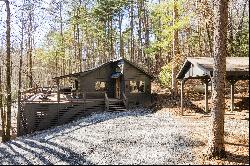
x,y
74,69
21,56
20,74
176,51
3,113
30,49
111,38
78,41
231,32
139,4
62,41
216,139
239,29
8,72
120,34
209,40
146,27
146,24
132,30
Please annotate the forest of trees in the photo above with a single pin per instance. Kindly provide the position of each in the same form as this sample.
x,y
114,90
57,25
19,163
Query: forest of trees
x,y
52,38
61,37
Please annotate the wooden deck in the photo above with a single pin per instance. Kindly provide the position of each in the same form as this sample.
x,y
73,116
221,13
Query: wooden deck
x,y
37,114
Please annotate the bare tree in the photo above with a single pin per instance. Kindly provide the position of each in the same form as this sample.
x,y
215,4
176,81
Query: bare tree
x,y
3,113
176,51
216,138
8,76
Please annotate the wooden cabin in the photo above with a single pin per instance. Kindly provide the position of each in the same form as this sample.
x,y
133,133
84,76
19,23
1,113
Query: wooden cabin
x,y
113,86
118,79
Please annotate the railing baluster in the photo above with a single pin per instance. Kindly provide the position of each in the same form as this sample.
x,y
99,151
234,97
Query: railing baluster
x,y
106,102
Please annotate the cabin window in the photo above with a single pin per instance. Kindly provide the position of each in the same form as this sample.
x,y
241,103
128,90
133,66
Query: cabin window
x,y
100,86
137,86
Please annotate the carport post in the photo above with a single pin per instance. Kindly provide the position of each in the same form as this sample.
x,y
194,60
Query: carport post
x,y
232,83
206,95
205,81
182,94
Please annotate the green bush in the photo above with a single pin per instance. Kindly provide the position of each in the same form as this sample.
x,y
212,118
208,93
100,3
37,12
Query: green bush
x,y
165,76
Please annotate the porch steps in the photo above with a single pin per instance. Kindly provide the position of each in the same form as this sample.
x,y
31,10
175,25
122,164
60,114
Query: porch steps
x,y
116,105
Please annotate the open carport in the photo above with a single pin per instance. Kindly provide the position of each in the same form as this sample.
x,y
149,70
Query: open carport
x,y
237,68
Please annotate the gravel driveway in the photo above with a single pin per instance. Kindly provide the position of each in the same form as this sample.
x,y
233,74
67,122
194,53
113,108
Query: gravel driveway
x,y
133,137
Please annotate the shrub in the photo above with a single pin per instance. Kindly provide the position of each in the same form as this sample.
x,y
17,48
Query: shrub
x,y
165,75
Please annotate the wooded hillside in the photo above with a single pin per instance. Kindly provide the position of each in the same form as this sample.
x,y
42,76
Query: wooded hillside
x,y
60,37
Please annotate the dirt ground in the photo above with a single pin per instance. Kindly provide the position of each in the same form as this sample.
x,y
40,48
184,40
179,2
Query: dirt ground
x,y
236,145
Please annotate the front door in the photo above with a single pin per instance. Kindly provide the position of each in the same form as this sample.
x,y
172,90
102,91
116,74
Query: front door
x,y
117,88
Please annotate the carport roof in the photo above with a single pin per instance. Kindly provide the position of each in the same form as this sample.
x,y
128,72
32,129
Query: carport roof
x,y
199,67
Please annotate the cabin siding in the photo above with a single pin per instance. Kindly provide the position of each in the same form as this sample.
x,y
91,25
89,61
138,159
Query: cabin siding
x,y
87,82
133,74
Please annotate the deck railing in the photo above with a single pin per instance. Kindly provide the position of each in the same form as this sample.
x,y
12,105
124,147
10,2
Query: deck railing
x,y
60,97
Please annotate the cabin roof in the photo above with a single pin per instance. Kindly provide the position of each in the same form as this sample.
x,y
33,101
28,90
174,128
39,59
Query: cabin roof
x,y
236,67
102,65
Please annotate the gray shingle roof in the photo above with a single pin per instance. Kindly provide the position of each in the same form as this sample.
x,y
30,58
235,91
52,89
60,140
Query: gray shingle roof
x,y
203,66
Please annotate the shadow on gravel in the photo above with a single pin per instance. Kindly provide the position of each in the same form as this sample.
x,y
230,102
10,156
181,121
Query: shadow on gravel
x,y
37,148
95,119
229,143
54,153
239,159
10,160
242,104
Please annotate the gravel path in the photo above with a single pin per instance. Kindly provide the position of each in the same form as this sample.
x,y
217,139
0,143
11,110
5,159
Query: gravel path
x,y
133,137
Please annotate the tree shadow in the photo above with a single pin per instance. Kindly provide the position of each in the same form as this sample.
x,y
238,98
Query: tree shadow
x,y
240,159
44,145
3,157
45,153
229,143
243,104
92,119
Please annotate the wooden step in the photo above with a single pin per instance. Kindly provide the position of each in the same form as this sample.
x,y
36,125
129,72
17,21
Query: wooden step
x,y
117,107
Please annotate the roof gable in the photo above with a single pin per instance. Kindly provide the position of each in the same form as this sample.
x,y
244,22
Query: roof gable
x,y
102,65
